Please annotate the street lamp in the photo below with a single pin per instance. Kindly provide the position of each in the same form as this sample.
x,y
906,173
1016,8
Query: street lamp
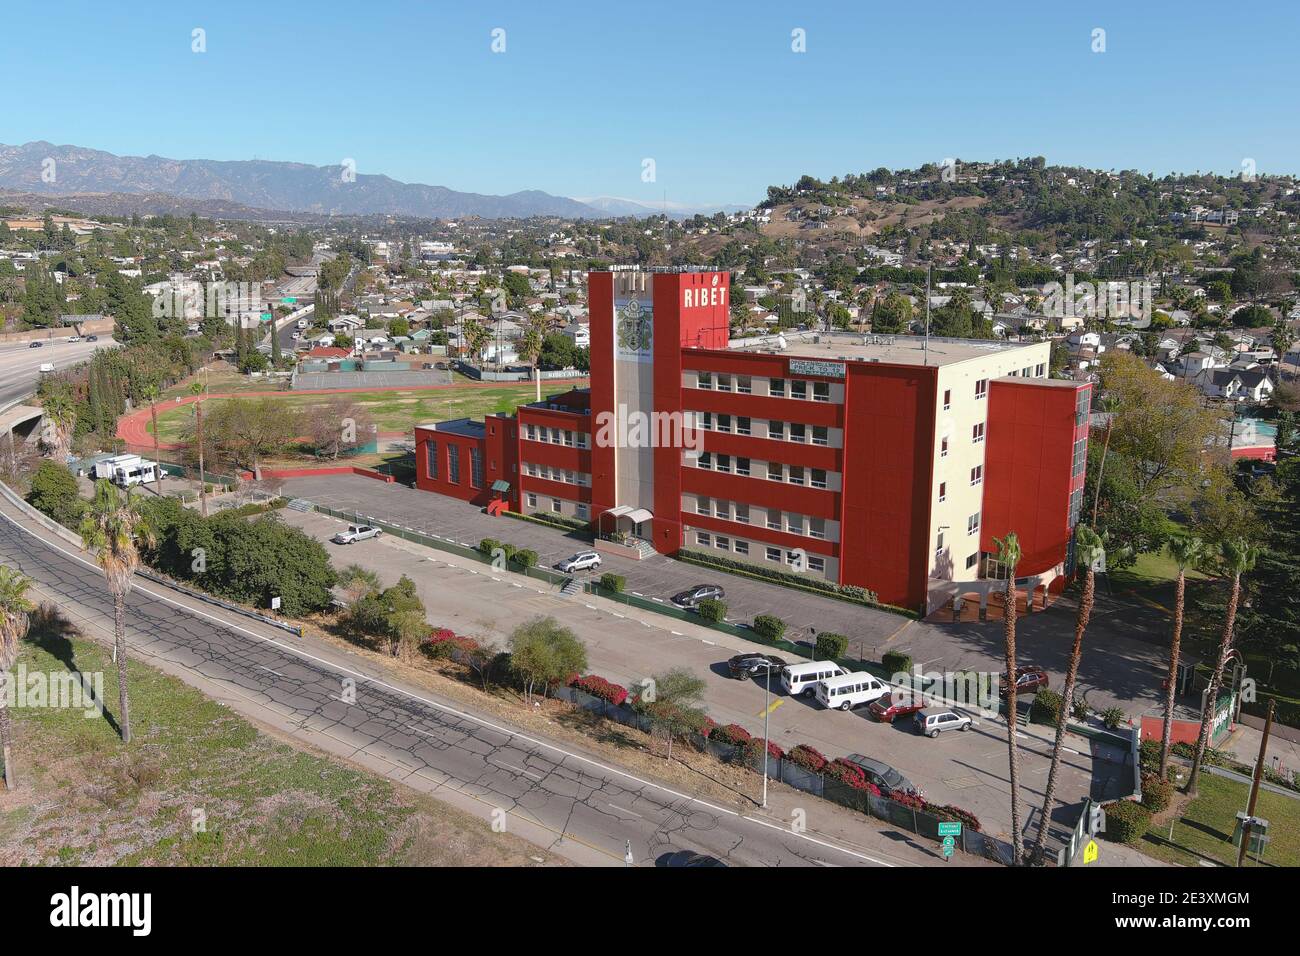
x,y
767,713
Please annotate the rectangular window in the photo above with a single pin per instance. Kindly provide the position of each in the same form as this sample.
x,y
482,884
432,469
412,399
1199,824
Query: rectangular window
x,y
943,491
704,380
818,477
973,560
705,460
977,475
977,433
973,523
724,383
799,390
704,538
1076,504
706,421
532,500
1039,370
796,475
476,468
798,433
1082,407
742,547
820,435
776,386
568,438
724,423
742,466
453,464
742,513
703,506
938,544
722,543
794,524
742,425
555,505
1080,457
774,519
947,399
744,385
821,391
581,510
982,388
943,448
817,527
431,454
775,471
816,564
773,554
776,430
724,463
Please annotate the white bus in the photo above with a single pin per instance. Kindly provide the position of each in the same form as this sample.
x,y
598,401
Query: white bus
x,y
851,690
802,678
126,470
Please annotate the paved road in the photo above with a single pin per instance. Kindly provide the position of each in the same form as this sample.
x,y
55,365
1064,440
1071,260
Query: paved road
x,y
20,364
626,645
430,744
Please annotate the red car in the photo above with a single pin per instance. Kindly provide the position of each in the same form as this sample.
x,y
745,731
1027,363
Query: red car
x,y
1029,680
885,709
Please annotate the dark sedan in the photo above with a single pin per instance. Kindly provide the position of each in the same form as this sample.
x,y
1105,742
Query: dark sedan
x,y
751,665
693,596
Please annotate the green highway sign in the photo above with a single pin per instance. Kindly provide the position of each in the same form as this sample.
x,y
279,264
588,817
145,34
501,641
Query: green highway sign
x,y
949,842
289,300
949,829
266,316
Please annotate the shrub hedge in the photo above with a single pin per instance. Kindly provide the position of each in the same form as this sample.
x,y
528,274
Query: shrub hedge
x,y
769,626
1126,821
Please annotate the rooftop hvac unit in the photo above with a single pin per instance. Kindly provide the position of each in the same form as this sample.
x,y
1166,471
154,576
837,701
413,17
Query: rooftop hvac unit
x,y
781,343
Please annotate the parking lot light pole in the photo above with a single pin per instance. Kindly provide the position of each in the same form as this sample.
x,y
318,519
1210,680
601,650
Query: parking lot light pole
x,y
767,713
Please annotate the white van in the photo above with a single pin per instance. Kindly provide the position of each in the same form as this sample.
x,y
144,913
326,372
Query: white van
x,y
851,690
802,678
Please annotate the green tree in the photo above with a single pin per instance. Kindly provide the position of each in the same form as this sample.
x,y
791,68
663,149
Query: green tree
x,y
892,314
14,610
544,652
673,703
54,493
112,529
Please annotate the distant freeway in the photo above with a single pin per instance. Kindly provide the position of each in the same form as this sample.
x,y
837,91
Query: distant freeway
x,y
20,364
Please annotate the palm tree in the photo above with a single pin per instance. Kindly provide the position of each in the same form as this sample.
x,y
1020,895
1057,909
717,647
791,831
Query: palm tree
x,y
530,346
150,395
14,608
197,389
1088,553
1238,557
112,529
1187,552
60,415
1008,558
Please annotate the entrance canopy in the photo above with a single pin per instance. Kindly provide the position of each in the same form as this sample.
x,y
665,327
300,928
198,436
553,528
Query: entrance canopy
x,y
633,515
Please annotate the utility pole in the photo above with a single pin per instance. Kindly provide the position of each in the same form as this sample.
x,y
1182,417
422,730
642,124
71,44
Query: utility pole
x,y
1254,787
767,712
925,349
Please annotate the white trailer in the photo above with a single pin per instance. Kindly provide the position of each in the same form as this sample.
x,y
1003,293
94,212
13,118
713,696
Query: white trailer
x,y
126,470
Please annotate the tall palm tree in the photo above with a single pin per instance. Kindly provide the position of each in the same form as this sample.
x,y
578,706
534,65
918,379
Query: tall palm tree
x,y
150,395
1187,552
112,529
1088,552
530,346
197,389
1238,557
60,414
14,608
1008,558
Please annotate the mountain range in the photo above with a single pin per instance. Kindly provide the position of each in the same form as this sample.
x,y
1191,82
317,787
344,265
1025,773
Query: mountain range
x,y
45,169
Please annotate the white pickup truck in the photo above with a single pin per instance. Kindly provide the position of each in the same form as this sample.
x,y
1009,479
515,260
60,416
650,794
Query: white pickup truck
x,y
355,533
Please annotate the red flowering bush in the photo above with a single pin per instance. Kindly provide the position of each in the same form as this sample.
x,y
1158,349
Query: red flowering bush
x,y
599,687
850,774
754,751
956,814
806,757
730,734
707,728
444,643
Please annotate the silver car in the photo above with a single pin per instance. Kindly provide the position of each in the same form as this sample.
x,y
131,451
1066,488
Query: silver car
x,y
934,722
582,561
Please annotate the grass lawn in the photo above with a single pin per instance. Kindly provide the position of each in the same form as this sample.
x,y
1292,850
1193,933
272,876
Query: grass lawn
x,y
393,411
86,799
1204,829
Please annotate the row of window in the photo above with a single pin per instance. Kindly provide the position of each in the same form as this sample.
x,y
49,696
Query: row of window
x,y
557,436
976,436
774,518
789,474
776,387
811,562
432,459
779,431
557,474
580,509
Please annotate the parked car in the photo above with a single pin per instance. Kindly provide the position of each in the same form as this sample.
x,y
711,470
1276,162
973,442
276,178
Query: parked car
x,y
882,775
355,533
850,690
688,858
582,561
885,709
74,338
92,338
35,345
934,722
693,596
751,665
46,367
1029,680
803,678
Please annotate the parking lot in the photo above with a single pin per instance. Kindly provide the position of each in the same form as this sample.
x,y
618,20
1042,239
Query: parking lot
x,y
968,769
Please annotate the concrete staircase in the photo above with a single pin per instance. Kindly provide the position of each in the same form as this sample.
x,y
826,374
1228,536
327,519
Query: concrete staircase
x,y
571,587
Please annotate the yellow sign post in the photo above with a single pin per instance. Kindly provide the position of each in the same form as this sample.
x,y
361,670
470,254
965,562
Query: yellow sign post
x,y
1090,852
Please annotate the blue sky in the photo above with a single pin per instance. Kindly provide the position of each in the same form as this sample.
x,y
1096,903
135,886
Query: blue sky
x,y
710,90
